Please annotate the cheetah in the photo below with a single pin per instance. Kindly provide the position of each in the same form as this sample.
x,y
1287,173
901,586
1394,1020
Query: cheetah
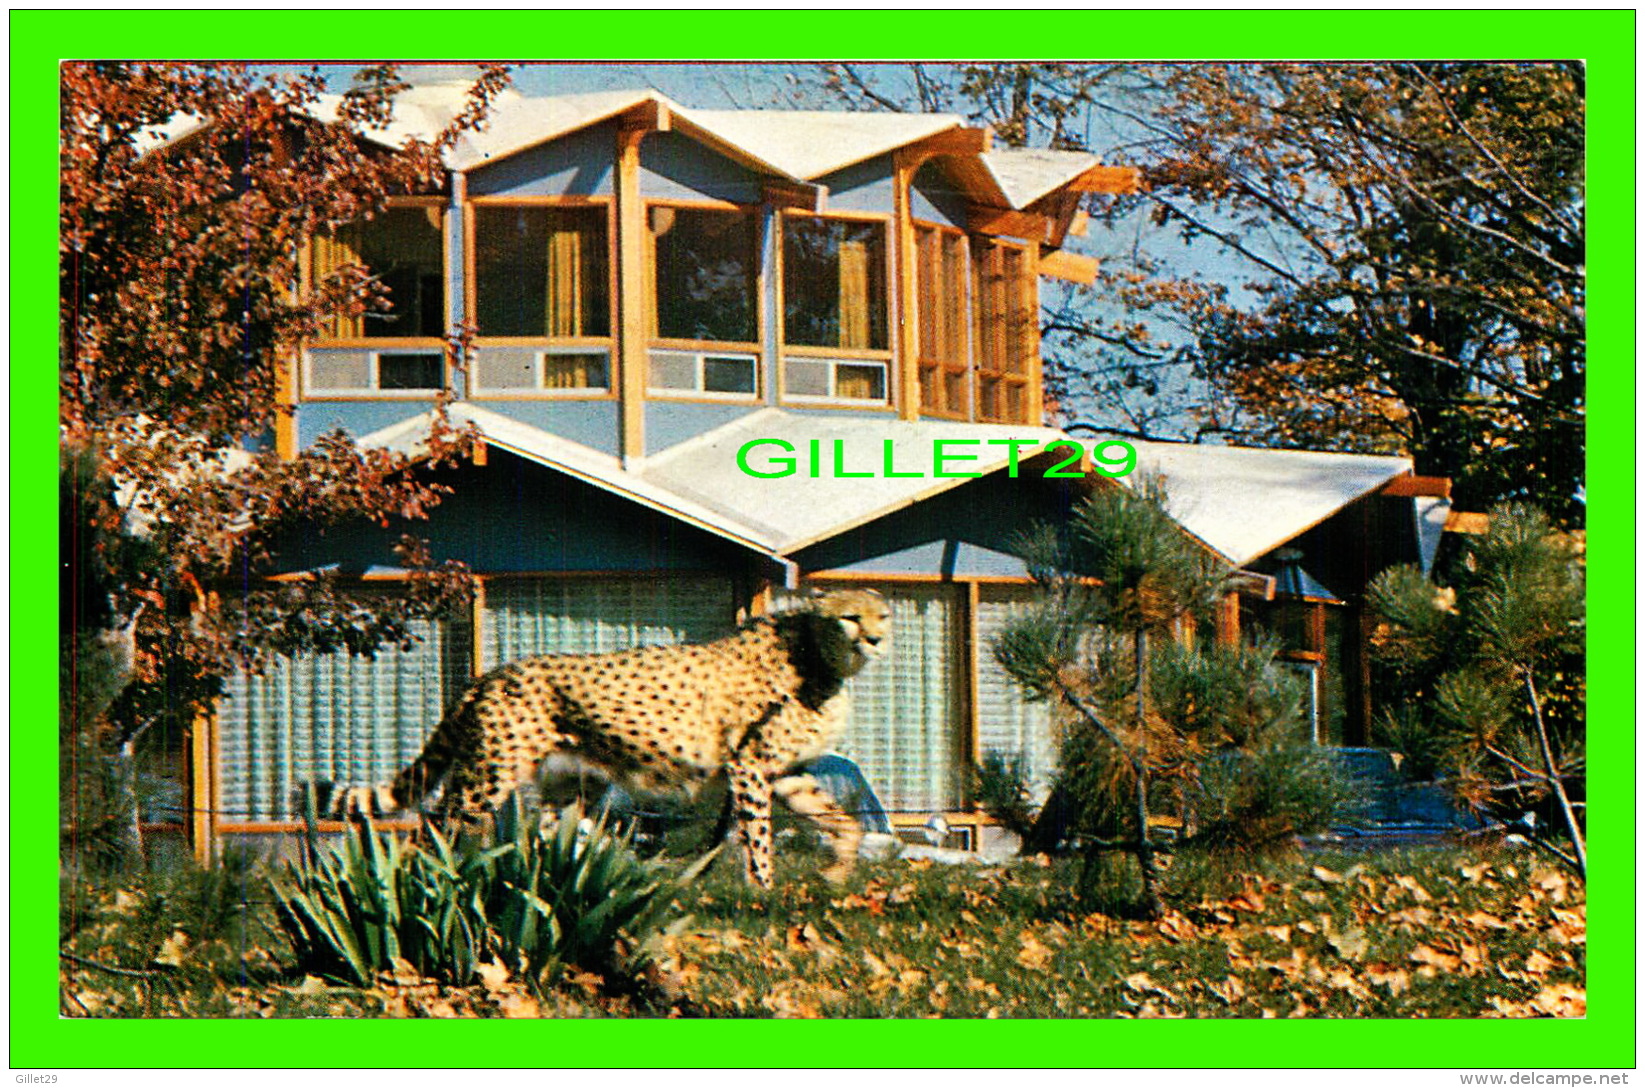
x,y
753,705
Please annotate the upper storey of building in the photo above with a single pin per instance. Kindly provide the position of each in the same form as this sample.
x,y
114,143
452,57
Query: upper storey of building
x,y
638,273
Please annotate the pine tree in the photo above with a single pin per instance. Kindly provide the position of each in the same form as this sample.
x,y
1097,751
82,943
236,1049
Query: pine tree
x,y
1486,673
1212,733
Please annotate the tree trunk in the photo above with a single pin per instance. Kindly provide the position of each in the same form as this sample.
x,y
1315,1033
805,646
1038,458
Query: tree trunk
x,y
1557,780
1151,904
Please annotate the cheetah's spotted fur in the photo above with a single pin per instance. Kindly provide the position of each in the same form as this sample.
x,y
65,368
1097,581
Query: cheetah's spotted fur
x,y
753,704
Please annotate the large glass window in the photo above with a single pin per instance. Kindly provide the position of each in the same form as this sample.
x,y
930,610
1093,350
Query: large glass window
x,y
404,250
542,272
945,364
834,284
1005,302
706,274
335,718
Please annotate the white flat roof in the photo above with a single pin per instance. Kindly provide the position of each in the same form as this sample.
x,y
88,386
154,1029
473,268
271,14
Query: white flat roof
x,y
1244,503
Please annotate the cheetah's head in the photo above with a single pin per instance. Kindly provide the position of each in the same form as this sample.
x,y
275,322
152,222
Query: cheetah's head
x,y
860,631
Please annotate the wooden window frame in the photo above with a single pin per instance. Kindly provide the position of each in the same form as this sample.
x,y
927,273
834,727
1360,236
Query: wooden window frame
x,y
381,344
373,390
755,347
886,355
927,304
471,208
991,334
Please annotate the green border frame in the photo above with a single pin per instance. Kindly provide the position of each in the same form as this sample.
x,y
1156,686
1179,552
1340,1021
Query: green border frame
x,y
1606,1039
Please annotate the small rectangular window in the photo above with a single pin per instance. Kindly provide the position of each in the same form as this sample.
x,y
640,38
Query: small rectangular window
x,y
728,374
505,369
707,373
835,379
410,370
363,372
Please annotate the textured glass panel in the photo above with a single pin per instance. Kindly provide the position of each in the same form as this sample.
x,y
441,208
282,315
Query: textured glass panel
x,y
335,370
806,377
529,616
1006,722
331,718
673,370
499,369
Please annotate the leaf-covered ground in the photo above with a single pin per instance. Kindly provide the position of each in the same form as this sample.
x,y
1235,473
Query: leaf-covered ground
x,y
1409,934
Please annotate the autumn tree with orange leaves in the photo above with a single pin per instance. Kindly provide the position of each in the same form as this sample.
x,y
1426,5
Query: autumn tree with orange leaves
x,y
187,192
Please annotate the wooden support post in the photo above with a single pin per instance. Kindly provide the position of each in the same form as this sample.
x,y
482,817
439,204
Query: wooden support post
x,y
904,276
1228,620
476,620
202,782
1035,391
632,333
973,671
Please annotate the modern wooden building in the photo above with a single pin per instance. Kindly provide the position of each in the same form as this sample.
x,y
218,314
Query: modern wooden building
x,y
654,288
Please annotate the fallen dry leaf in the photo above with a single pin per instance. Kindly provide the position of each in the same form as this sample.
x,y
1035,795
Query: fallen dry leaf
x,y
1033,955
1394,979
1434,958
171,950
1350,944
1325,876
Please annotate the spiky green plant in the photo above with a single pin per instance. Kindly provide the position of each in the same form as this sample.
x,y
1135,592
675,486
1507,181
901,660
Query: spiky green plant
x,y
534,901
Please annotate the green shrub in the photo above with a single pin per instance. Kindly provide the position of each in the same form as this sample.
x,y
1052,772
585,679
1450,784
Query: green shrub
x,y
1260,800
535,902
1000,786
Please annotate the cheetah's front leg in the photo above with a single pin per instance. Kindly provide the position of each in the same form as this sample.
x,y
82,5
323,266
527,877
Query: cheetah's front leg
x,y
751,797
805,797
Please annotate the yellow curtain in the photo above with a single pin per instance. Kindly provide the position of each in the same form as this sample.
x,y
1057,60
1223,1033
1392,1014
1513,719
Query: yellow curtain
x,y
330,253
854,294
566,259
856,382
568,372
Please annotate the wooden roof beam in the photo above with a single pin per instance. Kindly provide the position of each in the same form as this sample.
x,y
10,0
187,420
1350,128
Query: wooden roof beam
x,y
1120,180
1060,264
798,195
1413,486
648,116
1029,226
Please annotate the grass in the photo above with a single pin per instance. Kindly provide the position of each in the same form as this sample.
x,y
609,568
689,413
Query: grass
x,y
1415,933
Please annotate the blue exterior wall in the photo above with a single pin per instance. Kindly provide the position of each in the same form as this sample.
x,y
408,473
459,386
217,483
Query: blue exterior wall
x,y
676,167
865,187
581,164
515,516
933,199
593,423
358,418
969,530
668,423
